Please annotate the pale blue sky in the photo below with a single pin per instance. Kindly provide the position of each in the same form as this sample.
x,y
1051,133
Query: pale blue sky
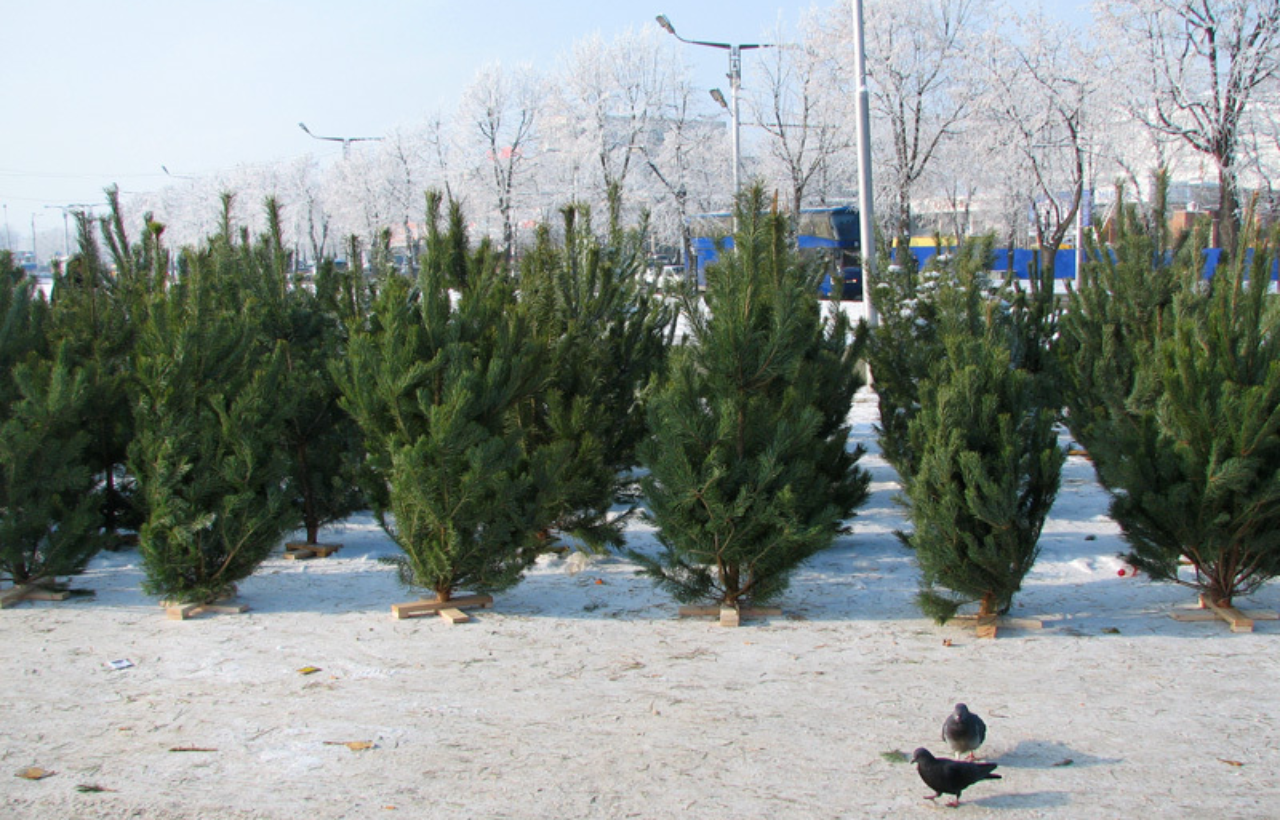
x,y
95,92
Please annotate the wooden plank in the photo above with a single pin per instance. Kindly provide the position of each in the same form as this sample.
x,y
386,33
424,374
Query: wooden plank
x,y
988,626
13,596
1240,620
181,612
426,607
1233,616
716,612
699,612
38,594
453,615
1193,615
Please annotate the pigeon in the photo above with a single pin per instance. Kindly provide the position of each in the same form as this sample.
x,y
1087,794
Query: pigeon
x,y
964,731
947,776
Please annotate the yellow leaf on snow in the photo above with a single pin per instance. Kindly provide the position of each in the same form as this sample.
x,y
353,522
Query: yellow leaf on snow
x,y
353,745
34,773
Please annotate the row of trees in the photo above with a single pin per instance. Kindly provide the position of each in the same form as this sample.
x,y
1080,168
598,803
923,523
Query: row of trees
x,y
218,407
981,114
221,406
1171,381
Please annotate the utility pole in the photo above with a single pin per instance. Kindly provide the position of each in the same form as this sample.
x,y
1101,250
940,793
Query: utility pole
x,y
865,205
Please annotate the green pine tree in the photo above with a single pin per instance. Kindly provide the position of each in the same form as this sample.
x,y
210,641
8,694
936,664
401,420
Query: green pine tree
x,y
900,351
322,441
209,422
987,474
434,378
749,469
1186,434
985,462
96,313
49,504
605,334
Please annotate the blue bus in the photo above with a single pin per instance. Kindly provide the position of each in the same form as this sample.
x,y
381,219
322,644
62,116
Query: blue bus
x,y
832,232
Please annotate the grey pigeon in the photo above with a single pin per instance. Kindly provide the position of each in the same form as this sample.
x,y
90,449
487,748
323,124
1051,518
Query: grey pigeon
x,y
964,731
947,776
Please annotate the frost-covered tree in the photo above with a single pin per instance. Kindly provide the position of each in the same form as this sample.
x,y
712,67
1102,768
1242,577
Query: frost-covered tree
x,y
1197,70
798,106
923,87
1036,121
498,125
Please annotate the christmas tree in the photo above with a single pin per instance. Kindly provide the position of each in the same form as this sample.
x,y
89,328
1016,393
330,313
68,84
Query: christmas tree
x,y
749,470
209,422
901,350
986,465
96,313
49,506
321,440
1186,434
435,378
605,335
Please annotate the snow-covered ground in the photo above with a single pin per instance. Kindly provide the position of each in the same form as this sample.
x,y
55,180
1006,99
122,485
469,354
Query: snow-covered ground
x,y
580,694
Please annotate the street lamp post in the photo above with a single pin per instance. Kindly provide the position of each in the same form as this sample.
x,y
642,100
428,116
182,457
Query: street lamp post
x,y
346,141
735,86
867,232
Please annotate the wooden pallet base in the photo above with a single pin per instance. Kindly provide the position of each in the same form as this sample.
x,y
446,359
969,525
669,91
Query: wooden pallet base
x,y
31,592
298,551
450,610
986,626
181,612
728,615
1239,620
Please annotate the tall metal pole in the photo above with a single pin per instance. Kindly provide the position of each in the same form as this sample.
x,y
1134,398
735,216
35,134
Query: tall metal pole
x,y
865,209
735,85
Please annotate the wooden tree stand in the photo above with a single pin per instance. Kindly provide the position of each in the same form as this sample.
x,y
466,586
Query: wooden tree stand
x,y
729,615
450,610
1240,620
986,626
299,551
31,592
181,612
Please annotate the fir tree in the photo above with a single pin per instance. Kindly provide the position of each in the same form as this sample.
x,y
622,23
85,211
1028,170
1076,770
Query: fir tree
x,y
96,314
900,352
322,441
1116,315
49,516
986,465
209,424
605,337
749,471
434,379
1186,434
